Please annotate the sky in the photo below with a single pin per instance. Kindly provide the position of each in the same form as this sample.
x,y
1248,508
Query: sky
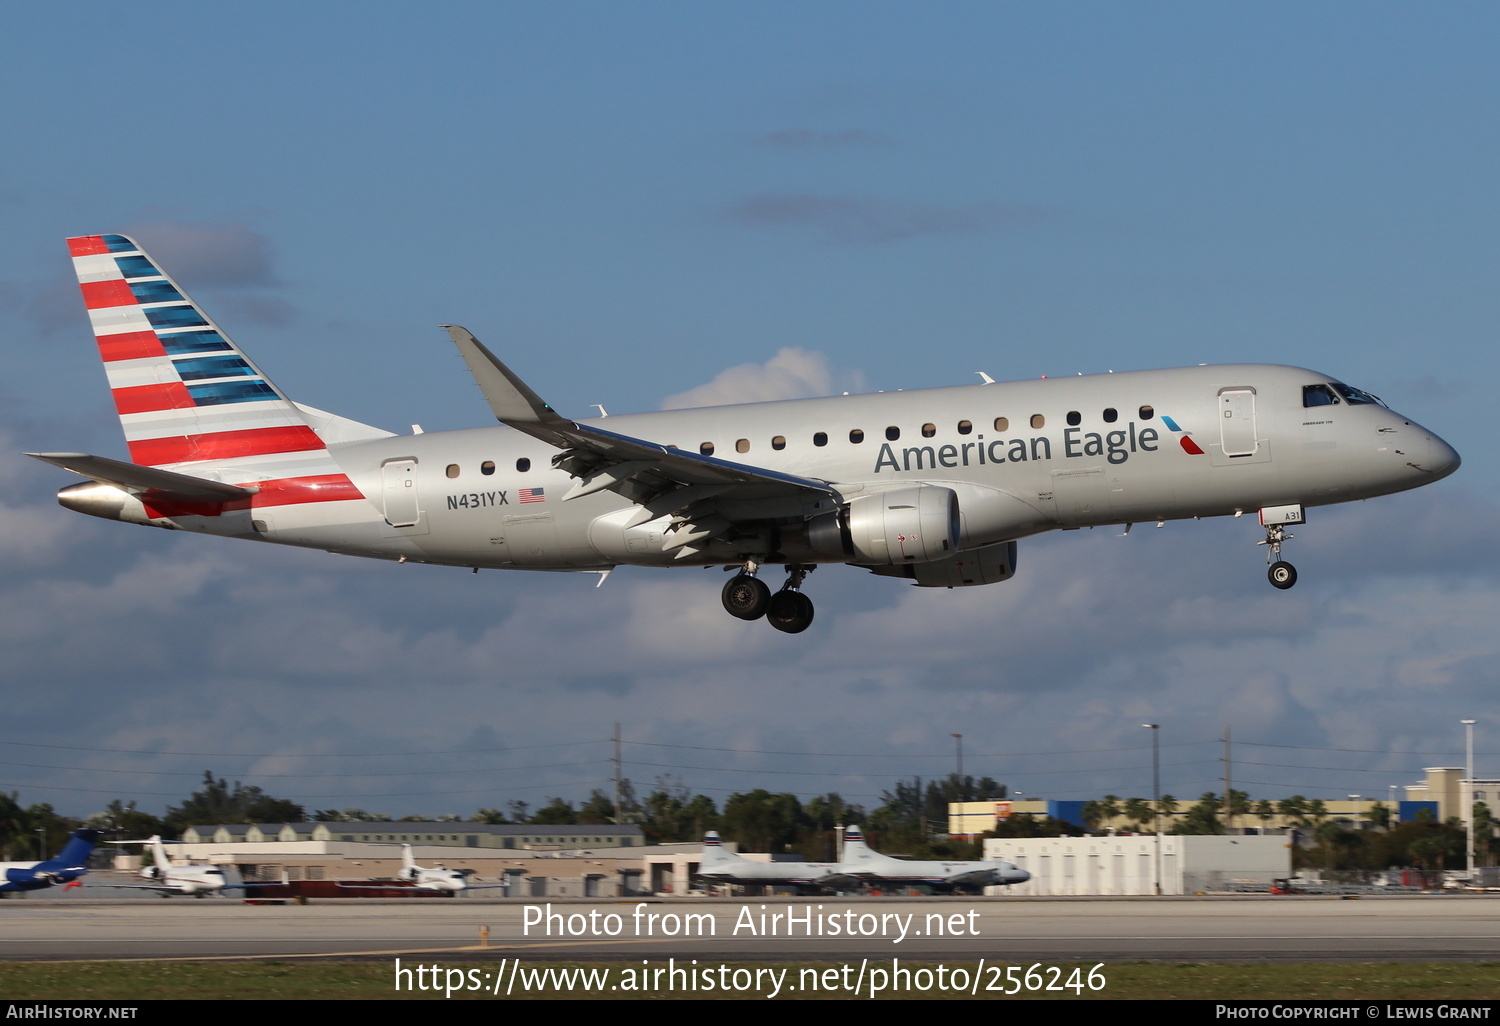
x,y
654,205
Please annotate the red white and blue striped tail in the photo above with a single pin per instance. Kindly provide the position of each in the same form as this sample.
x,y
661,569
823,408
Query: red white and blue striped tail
x,y
189,399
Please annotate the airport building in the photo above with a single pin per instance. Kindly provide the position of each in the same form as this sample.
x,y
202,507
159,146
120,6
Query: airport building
x,y
510,836
1442,794
1133,863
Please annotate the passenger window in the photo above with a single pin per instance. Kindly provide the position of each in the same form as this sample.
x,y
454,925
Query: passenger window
x,y
1318,395
1002,423
1074,418
1037,420
707,448
928,430
453,470
487,467
892,433
743,445
779,442
1147,412
523,464
856,436
821,438
1111,415
964,427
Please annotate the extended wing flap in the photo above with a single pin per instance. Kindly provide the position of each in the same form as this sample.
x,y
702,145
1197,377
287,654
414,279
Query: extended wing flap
x,y
137,479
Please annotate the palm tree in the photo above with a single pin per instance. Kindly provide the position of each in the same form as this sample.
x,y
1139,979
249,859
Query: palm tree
x,y
1139,812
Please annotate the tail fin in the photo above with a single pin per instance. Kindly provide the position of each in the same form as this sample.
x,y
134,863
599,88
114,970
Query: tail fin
x,y
75,854
185,393
159,853
407,862
855,848
713,850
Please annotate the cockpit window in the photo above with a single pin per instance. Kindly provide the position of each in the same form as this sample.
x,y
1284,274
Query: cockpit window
x,y
1318,395
1355,397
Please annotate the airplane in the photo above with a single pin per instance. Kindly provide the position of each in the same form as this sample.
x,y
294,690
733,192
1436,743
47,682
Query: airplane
x,y
65,868
932,486
720,866
421,878
199,881
864,863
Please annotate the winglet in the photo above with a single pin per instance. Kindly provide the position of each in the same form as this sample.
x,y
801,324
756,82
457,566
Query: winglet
x,y
511,400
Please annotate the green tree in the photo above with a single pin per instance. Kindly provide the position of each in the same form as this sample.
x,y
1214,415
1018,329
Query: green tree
x,y
555,813
217,802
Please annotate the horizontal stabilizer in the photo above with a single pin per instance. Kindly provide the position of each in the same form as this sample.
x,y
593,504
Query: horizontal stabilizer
x,y
137,479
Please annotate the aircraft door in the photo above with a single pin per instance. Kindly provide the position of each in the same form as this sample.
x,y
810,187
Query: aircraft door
x,y
1237,421
398,479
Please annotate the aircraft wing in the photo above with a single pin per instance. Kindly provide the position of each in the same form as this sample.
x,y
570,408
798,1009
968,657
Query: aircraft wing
x,y
159,888
661,478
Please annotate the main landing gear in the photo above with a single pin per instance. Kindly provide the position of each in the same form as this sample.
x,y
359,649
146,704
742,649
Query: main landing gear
x,y
749,598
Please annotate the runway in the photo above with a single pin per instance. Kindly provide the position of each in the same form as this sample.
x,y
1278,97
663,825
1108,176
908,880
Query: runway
x,y
1014,930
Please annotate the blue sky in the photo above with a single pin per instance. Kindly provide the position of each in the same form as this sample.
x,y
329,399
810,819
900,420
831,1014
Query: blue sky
x,y
628,201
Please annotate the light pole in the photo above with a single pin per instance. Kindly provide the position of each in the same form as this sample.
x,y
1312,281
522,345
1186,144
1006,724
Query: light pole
x,y
959,739
1469,794
1156,795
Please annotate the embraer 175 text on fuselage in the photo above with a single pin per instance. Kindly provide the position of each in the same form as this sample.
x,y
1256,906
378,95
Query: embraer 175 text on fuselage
x,y
932,485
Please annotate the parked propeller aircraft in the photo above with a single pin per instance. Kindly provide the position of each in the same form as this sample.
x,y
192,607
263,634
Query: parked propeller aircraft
x,y
934,486
864,863
65,868
723,866
199,881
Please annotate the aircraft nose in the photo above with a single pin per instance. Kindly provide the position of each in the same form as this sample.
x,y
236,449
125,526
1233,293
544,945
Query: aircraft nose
x,y
1442,459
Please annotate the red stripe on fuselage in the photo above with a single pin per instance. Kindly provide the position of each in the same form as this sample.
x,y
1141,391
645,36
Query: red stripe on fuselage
x,y
170,395
221,445
98,295
291,491
87,245
130,345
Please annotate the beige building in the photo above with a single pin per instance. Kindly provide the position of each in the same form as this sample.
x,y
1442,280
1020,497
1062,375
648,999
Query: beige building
x,y
577,873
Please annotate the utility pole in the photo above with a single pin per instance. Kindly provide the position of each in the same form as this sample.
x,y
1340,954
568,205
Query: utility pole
x,y
1156,795
1228,791
1469,792
960,739
617,773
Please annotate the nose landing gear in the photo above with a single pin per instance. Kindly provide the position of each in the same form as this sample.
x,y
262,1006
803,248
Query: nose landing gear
x,y
1274,519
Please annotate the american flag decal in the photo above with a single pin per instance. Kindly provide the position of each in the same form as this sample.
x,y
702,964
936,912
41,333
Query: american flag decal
x,y
533,495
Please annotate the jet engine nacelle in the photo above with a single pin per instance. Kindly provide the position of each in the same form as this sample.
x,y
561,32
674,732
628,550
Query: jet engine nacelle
x,y
989,565
901,526
151,873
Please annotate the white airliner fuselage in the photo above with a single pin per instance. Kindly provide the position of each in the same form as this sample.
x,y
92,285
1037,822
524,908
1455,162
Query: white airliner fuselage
x,y
933,485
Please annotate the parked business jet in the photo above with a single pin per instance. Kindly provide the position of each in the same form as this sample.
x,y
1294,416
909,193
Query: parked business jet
x,y
199,881
934,485
721,866
65,868
422,878
864,863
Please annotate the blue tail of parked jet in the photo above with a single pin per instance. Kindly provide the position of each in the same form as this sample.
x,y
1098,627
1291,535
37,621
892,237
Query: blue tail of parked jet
x,y
65,868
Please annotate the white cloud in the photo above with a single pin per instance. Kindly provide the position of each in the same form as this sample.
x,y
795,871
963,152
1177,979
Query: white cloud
x,y
790,374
